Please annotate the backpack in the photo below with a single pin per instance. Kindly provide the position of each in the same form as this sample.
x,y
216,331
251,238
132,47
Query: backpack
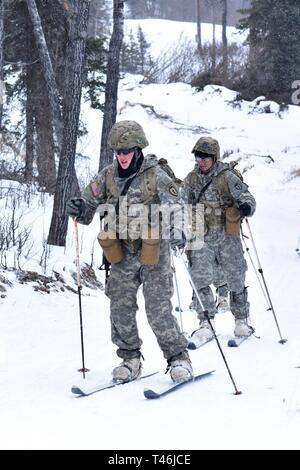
x,y
222,182
163,163
148,180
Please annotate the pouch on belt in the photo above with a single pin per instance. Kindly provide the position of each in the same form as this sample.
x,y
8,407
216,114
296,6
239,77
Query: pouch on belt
x,y
233,221
111,246
151,248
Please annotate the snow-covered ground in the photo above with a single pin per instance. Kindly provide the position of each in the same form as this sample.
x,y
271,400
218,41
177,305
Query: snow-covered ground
x,y
40,336
166,34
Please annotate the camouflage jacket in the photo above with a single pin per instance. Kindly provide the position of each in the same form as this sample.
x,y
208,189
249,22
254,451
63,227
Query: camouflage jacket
x,y
107,186
226,189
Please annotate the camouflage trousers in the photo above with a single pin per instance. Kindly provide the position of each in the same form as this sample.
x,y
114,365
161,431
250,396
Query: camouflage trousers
x,y
219,280
227,250
123,283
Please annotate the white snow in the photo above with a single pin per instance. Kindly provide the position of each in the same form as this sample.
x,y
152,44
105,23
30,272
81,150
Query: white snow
x,y
166,34
40,335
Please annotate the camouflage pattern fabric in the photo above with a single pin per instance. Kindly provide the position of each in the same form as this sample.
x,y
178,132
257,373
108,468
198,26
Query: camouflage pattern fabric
x,y
97,192
126,276
127,134
124,281
219,283
227,249
219,280
215,199
218,245
208,145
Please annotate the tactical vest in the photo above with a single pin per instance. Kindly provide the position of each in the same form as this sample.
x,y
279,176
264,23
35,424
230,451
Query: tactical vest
x,y
149,182
215,210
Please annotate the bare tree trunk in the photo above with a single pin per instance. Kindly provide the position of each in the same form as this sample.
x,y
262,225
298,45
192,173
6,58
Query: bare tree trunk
x,y
74,76
112,82
47,69
45,147
199,35
29,158
49,75
1,60
224,38
213,50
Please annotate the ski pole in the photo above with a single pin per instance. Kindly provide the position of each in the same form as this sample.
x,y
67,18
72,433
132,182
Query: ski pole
x,y
255,270
83,369
237,392
177,293
281,341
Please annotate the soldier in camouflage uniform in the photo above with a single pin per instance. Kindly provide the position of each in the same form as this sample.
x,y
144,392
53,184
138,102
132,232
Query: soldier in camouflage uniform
x,y
221,189
149,184
221,290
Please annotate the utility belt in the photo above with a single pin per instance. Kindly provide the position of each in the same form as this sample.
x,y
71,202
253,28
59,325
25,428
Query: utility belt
x,y
112,248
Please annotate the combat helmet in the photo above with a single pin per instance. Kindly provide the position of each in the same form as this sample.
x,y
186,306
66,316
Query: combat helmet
x,y
208,145
127,134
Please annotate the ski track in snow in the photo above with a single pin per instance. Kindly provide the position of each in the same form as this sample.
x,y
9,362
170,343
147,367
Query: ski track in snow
x,y
40,337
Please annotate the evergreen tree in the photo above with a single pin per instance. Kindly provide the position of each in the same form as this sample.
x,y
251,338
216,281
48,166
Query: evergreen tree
x,y
274,40
183,10
143,47
28,88
130,55
95,70
135,56
137,9
99,19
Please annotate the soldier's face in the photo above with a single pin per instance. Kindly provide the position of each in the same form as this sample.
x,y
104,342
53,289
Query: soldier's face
x,y
125,159
205,164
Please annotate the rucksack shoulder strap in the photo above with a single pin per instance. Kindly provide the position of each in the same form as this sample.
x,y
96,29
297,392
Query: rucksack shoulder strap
x,y
221,179
150,176
111,185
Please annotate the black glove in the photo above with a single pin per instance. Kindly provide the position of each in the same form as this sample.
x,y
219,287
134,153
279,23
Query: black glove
x,y
177,239
75,208
245,209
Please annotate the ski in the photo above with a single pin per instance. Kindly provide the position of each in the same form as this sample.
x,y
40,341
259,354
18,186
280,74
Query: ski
x,y
83,391
236,341
151,394
195,343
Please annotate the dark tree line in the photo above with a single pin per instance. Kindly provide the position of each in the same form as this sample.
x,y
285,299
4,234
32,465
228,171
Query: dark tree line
x,y
34,49
274,41
185,10
52,50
